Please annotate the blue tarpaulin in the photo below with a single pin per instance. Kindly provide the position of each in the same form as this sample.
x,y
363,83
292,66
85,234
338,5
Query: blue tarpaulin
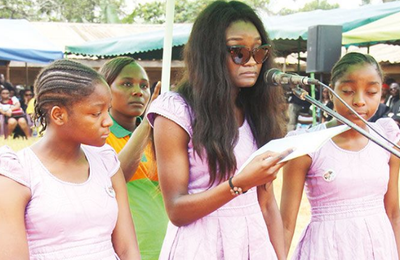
x,y
21,41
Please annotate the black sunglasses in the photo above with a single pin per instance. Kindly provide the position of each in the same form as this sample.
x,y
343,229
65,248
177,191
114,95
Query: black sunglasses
x,y
241,54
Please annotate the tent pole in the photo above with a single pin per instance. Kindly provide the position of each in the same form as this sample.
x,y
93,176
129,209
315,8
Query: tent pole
x,y
313,110
167,49
26,74
284,64
8,71
298,55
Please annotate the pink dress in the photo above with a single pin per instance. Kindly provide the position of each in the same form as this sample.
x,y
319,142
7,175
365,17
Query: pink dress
x,y
235,231
346,191
66,220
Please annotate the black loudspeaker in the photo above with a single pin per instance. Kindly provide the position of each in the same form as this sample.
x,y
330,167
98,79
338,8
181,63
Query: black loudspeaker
x,y
324,46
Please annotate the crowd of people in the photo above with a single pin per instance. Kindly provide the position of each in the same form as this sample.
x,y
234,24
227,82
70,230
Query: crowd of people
x,y
16,110
124,172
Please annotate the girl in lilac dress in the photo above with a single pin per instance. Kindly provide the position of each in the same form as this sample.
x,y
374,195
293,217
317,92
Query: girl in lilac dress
x,y
65,196
203,133
351,182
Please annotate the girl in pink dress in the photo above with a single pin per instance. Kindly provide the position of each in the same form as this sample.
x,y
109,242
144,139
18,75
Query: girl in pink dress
x,y
222,112
65,196
351,182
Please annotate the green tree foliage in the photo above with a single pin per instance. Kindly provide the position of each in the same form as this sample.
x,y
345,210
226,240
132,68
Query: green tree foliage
x,y
154,12
185,10
16,9
258,4
314,5
150,12
95,11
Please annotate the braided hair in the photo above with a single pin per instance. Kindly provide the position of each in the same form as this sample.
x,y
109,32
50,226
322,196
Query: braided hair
x,y
352,59
62,83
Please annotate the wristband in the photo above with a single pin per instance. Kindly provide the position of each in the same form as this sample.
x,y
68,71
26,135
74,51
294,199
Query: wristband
x,y
235,190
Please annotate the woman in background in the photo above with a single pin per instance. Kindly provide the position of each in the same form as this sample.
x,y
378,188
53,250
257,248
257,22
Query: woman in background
x,y
130,137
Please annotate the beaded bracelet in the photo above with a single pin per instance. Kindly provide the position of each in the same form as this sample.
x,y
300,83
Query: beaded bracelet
x,y
235,190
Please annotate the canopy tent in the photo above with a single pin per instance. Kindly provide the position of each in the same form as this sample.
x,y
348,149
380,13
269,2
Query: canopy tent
x,y
289,33
22,42
146,45
292,30
386,29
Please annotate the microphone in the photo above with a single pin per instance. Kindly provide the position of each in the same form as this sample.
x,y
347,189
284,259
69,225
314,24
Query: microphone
x,y
275,77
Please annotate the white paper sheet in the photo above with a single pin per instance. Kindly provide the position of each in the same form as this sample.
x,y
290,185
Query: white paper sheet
x,y
302,144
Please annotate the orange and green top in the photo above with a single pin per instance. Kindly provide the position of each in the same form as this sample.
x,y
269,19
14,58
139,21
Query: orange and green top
x,y
145,199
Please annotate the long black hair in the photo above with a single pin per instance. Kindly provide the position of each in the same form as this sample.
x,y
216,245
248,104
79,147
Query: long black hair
x,y
207,88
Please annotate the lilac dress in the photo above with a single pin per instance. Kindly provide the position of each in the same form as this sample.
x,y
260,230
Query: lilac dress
x,y
67,220
346,191
235,231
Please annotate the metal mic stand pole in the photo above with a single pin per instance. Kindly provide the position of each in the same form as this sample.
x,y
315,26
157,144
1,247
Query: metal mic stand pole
x,y
302,94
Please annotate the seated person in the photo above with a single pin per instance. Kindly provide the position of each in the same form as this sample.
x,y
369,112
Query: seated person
x,y
382,111
17,116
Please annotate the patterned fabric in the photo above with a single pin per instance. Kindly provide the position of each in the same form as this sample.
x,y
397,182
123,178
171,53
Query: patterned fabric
x,y
145,199
235,231
16,112
346,191
67,220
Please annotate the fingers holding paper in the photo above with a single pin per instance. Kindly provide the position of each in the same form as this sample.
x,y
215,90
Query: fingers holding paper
x,y
261,170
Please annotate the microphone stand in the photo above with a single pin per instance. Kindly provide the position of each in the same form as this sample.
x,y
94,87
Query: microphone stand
x,y
302,94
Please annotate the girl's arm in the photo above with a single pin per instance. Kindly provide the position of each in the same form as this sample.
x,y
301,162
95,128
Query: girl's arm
x,y
171,144
272,217
6,113
13,200
124,237
294,174
392,198
16,105
131,155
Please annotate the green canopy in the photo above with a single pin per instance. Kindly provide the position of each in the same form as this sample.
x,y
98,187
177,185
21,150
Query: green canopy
x,y
289,33
147,45
386,29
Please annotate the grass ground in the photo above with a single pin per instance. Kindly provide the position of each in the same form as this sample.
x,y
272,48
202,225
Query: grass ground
x,y
304,213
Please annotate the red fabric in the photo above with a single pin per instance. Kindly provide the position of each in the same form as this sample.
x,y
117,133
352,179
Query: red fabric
x,y
16,112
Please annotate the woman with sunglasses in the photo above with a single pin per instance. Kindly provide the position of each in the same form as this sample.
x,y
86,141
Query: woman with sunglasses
x,y
221,112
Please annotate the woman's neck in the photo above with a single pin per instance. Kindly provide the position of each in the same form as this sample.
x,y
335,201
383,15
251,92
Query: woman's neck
x,y
349,134
127,122
53,147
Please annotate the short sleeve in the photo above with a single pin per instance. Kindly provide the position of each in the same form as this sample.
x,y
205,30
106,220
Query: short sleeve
x,y
108,157
14,99
11,167
390,129
172,106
